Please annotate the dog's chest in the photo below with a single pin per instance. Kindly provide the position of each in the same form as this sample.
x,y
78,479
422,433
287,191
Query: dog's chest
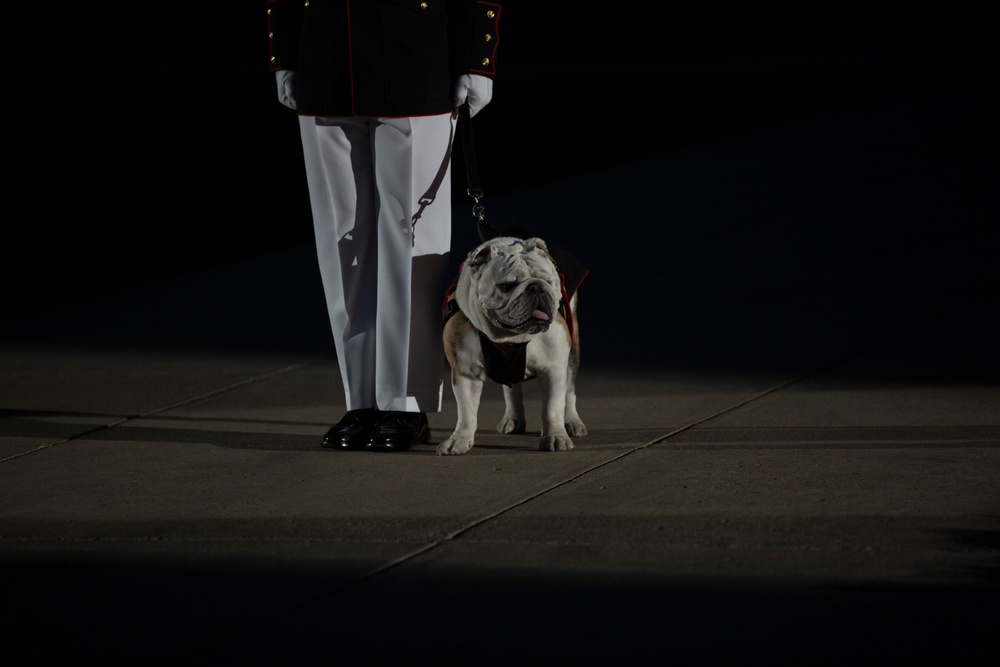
x,y
506,363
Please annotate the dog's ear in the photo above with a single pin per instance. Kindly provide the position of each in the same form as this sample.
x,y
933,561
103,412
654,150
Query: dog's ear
x,y
535,243
480,256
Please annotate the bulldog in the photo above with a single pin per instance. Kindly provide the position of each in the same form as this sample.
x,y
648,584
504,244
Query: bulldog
x,y
508,319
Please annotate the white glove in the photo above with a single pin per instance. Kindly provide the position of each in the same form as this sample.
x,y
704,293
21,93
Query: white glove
x,y
475,89
286,87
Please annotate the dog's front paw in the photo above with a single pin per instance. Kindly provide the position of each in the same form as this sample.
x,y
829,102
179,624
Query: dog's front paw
x,y
555,443
576,428
511,425
454,445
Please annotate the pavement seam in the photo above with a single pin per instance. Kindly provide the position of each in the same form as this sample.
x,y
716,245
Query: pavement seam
x,y
170,406
221,390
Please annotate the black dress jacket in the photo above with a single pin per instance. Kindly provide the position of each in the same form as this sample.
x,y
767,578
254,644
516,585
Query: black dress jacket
x,y
381,57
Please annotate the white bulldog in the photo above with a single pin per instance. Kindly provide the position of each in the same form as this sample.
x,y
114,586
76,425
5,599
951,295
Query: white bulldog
x,y
508,323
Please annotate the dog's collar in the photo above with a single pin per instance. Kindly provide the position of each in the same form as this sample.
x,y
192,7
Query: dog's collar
x,y
450,306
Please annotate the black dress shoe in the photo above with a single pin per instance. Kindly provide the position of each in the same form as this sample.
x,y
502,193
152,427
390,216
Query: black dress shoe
x,y
397,431
353,430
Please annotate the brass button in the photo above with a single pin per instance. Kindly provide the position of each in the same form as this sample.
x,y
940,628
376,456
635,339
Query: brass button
x,y
489,37
306,4
272,59
423,5
490,14
486,61
270,35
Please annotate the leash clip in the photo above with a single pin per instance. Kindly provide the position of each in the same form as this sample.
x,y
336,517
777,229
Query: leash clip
x,y
478,209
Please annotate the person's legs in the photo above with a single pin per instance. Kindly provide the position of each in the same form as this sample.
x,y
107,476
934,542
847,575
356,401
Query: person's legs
x,y
380,193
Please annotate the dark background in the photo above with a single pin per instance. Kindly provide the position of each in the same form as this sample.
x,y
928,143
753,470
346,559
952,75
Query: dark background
x,y
149,142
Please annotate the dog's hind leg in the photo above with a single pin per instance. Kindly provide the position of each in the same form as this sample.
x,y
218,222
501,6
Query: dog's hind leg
x,y
514,420
574,425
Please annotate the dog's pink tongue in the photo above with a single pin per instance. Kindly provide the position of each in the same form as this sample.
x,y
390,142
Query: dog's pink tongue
x,y
539,315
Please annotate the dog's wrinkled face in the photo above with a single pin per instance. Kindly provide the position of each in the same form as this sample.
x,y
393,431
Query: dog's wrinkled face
x,y
510,286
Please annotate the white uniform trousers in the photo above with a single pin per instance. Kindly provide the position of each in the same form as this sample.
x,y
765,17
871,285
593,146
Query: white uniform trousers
x,y
380,193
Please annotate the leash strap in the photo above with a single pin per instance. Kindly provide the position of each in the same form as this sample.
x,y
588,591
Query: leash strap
x,y
469,150
474,190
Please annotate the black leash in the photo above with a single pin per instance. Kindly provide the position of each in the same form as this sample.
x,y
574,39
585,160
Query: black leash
x,y
475,190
